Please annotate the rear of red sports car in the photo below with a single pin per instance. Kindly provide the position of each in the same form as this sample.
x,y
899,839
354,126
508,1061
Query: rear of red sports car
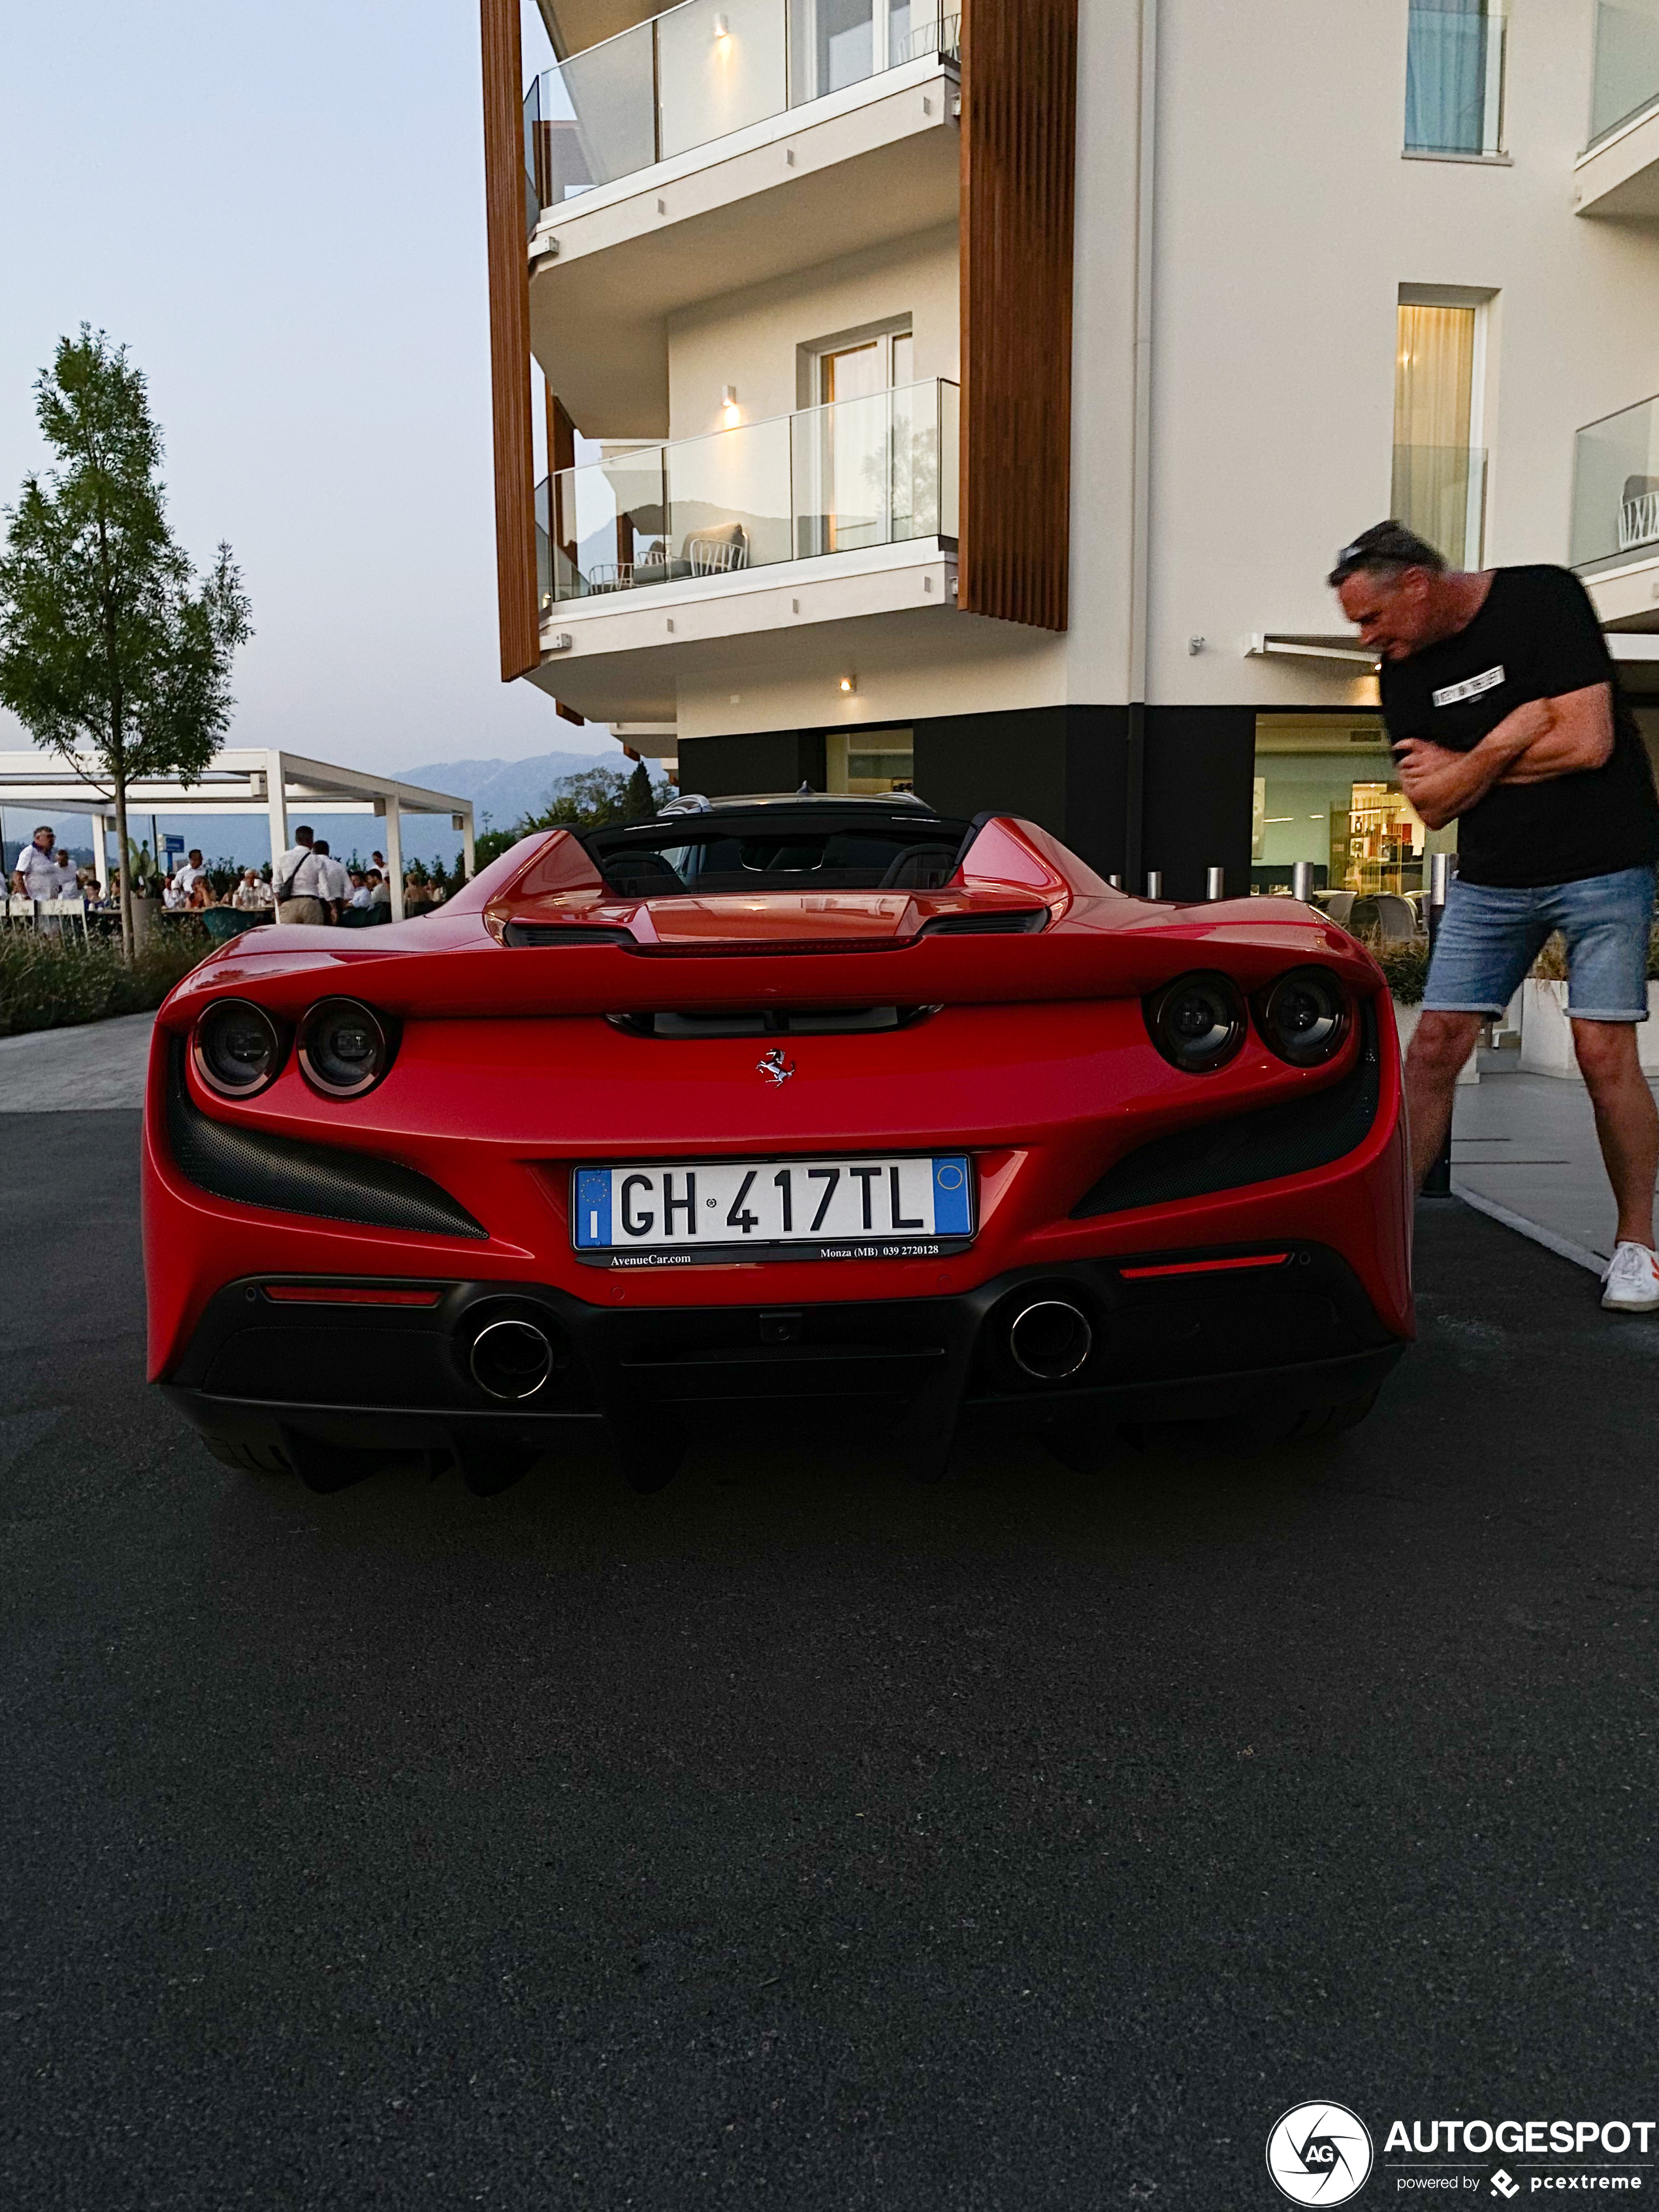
x,y
786,1105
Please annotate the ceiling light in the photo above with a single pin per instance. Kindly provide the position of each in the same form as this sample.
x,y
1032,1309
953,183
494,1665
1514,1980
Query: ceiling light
x,y
729,407
849,684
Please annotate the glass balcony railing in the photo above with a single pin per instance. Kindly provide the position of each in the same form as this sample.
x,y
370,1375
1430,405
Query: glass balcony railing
x,y
1454,79
1627,77
1440,492
701,69
867,471
1616,486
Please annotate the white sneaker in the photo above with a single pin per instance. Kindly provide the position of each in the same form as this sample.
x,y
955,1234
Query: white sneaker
x,y
1630,1284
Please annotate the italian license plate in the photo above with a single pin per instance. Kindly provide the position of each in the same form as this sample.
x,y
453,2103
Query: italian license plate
x,y
674,1215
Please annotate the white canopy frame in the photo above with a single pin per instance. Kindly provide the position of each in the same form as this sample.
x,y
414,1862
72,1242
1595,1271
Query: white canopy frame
x,y
240,781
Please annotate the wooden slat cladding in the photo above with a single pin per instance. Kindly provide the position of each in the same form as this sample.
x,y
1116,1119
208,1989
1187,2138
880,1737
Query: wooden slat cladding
x,y
1018,190
509,336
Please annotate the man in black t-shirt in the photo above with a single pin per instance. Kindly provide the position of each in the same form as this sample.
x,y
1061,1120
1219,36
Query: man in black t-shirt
x,y
1503,708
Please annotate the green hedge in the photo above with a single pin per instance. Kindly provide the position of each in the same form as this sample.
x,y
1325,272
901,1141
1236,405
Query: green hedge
x,y
54,983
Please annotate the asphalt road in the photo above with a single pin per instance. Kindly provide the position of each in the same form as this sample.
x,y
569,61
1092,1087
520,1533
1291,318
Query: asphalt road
x,y
799,1837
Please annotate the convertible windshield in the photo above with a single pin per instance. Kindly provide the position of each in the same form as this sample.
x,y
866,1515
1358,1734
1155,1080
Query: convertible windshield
x,y
758,855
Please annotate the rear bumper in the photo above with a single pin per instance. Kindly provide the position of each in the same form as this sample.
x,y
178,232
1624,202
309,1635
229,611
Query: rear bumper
x,y
1286,1337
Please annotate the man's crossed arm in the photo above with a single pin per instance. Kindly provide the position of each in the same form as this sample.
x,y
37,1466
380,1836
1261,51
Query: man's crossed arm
x,y
1542,739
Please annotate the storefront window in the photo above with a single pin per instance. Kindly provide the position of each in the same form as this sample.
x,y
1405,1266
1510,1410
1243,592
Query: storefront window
x,y
869,760
1326,791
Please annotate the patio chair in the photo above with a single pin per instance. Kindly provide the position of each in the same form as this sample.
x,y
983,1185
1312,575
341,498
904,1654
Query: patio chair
x,y
713,551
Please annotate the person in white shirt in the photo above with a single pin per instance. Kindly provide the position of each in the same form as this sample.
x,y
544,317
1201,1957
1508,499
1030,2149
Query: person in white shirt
x,y
359,888
191,873
379,891
253,894
297,881
334,883
35,876
68,882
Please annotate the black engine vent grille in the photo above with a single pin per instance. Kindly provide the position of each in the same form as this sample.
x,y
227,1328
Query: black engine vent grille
x,y
770,1021
256,1169
1254,1147
1022,922
565,932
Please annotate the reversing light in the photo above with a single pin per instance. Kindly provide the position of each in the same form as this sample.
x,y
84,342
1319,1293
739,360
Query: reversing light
x,y
343,1048
1197,1022
1304,1016
236,1049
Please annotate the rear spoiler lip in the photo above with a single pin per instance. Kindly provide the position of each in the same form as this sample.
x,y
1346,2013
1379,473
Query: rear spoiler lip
x,y
1068,960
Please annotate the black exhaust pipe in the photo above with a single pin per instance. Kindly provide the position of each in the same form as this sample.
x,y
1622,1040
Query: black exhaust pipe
x,y
1050,1339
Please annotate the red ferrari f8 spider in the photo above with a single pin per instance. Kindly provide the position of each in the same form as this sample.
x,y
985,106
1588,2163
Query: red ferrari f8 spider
x,y
763,1103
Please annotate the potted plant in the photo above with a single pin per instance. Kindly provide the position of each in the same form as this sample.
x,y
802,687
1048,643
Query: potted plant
x,y
1406,967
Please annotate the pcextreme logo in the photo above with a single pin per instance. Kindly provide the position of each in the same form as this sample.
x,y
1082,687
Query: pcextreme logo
x,y
1319,2153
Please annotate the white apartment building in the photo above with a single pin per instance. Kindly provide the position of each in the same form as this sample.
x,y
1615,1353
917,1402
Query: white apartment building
x,y
973,393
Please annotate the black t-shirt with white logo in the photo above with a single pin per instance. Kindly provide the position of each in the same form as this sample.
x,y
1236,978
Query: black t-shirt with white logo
x,y
1535,637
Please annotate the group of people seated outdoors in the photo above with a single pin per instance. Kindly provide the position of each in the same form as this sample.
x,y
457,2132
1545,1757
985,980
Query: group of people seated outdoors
x,y
307,884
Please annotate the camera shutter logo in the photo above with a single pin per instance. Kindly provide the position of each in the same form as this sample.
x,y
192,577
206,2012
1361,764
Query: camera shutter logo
x,y
1319,2153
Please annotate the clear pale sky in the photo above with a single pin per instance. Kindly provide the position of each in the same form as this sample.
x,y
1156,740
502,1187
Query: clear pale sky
x,y
279,210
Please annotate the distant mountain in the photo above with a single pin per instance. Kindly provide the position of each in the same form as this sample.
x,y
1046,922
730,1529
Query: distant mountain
x,y
509,790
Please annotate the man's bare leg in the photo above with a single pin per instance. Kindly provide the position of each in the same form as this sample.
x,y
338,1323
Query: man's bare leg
x,y
1627,1121
1439,1048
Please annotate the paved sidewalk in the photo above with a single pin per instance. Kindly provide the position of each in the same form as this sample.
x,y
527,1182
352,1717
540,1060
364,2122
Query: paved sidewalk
x,y
86,1069
1524,1150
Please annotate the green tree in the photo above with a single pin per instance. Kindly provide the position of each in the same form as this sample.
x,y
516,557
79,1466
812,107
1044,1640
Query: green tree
x,y
639,799
112,654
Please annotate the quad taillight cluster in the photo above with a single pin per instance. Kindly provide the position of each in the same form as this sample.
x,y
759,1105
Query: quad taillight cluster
x,y
1199,1021
344,1048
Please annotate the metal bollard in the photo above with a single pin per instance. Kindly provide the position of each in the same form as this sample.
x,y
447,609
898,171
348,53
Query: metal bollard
x,y
1437,1181
1302,882
1155,882
1116,882
1215,883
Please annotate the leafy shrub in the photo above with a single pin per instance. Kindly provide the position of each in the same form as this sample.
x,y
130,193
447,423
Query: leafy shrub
x,y
53,982
1406,967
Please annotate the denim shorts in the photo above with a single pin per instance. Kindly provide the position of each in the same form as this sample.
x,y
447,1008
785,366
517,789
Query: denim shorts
x,y
1489,937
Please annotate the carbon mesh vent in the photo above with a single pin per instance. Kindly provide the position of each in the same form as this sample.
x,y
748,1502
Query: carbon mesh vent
x,y
1273,1141
565,932
1023,923
255,1169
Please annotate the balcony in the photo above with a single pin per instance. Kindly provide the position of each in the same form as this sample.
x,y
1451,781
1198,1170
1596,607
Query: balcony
x,y
713,148
1440,492
700,72
1455,83
1615,543
1618,174
813,517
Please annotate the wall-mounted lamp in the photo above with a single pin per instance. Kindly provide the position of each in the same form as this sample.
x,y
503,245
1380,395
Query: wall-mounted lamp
x,y
729,407
849,683
723,28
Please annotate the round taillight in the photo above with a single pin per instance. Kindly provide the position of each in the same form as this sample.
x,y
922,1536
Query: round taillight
x,y
237,1049
1197,1022
1304,1016
344,1048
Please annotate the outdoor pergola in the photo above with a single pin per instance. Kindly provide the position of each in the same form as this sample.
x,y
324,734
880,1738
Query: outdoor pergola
x,y
281,785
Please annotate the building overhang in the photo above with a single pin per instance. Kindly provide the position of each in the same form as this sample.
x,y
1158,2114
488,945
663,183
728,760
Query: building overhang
x,y
861,167
1619,175
617,657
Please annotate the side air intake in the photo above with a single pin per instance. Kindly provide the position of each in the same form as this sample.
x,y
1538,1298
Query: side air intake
x,y
1020,923
1254,1147
253,1168
565,932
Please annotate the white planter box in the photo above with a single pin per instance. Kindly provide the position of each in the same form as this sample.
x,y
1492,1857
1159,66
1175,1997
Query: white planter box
x,y
1547,1033
1405,1019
